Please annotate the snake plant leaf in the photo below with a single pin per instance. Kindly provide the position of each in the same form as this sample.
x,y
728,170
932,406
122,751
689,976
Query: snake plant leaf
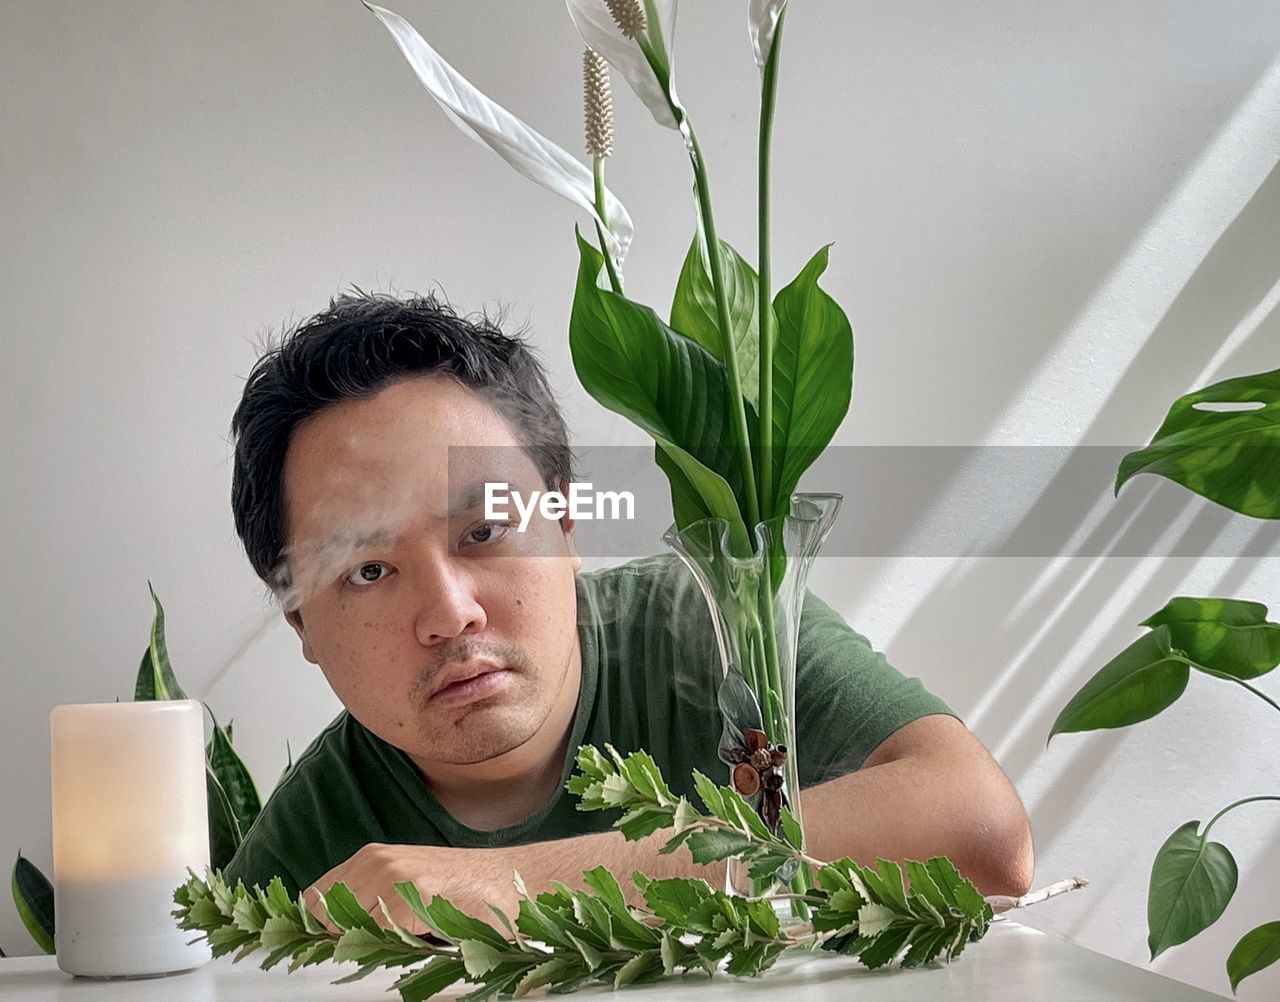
x,y
225,833
1224,634
33,897
156,679
653,82
812,376
693,309
667,384
762,24
1133,686
1259,948
1229,455
233,776
1192,881
491,125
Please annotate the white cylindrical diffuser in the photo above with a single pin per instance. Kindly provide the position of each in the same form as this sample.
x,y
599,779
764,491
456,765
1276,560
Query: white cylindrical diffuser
x,y
129,817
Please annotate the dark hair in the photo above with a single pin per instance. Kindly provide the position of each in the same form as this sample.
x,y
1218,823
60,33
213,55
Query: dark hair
x,y
362,343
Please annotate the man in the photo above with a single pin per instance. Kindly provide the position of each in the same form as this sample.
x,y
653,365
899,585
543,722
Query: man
x,y
473,659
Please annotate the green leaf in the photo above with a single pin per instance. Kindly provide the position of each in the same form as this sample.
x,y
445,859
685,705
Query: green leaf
x,y
642,821
1224,634
435,977
1231,457
1192,880
675,898
234,777
959,889
791,830
885,946
1259,948
1135,685
712,846
156,679
481,957
694,313
637,966
225,834
812,376
33,896
454,924
544,974
347,912
666,383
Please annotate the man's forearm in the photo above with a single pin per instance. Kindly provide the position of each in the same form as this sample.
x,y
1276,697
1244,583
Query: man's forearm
x,y
565,860
958,804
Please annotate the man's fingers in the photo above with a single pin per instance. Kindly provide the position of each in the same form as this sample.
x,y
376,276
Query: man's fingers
x,y
318,909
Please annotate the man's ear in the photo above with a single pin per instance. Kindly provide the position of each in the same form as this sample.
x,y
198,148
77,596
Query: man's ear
x,y
568,525
294,619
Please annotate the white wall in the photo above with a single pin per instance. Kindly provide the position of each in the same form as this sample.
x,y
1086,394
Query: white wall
x,y
1049,221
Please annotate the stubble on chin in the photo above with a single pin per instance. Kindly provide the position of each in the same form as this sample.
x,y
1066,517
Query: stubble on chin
x,y
485,729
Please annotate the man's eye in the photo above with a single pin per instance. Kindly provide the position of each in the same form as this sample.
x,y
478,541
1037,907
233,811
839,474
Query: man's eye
x,y
367,574
488,532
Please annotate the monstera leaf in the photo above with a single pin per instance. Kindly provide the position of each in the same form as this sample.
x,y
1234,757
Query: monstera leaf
x,y
1223,443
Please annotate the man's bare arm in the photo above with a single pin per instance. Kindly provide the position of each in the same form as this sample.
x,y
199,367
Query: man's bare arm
x,y
930,789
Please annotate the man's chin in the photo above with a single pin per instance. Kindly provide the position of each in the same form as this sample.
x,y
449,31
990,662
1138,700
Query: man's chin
x,y
483,736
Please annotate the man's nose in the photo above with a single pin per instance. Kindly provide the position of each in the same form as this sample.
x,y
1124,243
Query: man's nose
x,y
448,603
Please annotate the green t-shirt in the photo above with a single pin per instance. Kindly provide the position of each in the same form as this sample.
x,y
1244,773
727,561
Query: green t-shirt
x,y
649,677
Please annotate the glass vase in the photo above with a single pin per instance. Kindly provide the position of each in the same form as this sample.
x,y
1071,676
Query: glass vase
x,y
755,602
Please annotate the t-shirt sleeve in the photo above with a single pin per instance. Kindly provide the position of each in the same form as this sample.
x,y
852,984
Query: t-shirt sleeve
x,y
848,697
256,862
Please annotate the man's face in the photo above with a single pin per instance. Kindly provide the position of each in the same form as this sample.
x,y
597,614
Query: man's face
x,y
404,592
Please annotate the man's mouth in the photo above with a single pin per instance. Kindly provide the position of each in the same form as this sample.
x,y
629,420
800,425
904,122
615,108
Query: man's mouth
x,y
466,684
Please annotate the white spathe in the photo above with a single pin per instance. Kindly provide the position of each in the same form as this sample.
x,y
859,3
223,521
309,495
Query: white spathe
x,y
491,125
600,32
762,23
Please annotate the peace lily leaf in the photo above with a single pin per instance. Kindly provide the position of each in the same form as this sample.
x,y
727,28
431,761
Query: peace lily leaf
x,y
1135,685
655,87
693,310
155,675
1192,881
491,125
33,896
1230,456
1224,634
812,375
234,777
762,23
670,386
1259,948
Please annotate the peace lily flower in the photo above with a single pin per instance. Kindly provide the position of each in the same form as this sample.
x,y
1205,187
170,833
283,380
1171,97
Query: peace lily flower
x,y
491,125
636,40
762,22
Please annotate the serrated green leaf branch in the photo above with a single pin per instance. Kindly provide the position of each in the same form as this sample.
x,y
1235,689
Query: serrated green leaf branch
x,y
564,939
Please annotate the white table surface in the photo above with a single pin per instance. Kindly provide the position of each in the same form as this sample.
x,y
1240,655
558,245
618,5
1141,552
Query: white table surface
x,y
1013,963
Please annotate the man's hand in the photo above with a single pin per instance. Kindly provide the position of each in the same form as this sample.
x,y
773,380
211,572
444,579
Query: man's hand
x,y
467,877
472,879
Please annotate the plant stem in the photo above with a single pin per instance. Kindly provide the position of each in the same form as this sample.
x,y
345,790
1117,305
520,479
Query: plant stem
x,y
768,95
1229,678
738,409
1003,902
615,280
1232,807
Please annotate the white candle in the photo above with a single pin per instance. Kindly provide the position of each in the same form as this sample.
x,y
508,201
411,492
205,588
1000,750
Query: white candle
x,y
129,818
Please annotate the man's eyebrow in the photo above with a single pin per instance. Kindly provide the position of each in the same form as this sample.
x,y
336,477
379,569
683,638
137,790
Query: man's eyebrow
x,y
341,541
469,501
